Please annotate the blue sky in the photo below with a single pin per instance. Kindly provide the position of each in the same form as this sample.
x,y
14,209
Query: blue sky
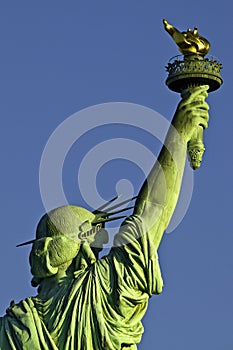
x,y
60,57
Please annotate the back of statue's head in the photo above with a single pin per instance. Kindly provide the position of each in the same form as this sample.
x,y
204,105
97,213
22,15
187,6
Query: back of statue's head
x,y
67,220
58,237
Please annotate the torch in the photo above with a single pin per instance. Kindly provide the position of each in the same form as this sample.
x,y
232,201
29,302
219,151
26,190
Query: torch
x,y
193,68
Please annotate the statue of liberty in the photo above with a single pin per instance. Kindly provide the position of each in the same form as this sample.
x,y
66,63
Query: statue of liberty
x,y
89,303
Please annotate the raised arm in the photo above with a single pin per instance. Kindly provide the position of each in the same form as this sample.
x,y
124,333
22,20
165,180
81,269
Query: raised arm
x,y
159,194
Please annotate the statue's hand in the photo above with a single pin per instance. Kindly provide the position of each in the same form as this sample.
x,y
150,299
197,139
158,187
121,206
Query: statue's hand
x,y
191,112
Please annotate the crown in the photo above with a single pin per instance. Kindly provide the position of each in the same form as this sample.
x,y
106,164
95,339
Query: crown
x,y
101,215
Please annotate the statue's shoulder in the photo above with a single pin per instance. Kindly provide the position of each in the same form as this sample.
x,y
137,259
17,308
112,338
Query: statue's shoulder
x,y
15,325
19,310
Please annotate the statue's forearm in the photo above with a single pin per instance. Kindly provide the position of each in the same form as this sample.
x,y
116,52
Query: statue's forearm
x,y
159,194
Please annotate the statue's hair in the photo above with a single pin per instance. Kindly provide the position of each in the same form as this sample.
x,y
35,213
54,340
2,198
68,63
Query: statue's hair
x,y
65,220
56,243
49,254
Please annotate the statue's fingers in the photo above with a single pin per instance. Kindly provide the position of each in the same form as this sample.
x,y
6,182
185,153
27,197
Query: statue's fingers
x,y
199,112
193,107
193,93
201,119
196,105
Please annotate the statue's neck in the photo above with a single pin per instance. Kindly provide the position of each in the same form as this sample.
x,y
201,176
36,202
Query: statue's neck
x,y
50,284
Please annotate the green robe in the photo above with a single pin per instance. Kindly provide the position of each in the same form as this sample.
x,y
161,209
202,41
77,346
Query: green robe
x,y
99,307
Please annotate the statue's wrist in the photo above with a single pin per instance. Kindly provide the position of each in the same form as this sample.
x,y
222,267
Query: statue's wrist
x,y
176,137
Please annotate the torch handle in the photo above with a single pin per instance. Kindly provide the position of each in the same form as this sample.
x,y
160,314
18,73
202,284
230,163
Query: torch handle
x,y
196,148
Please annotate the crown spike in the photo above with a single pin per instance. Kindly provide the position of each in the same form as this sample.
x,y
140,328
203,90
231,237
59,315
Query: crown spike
x,y
120,210
121,203
106,204
26,243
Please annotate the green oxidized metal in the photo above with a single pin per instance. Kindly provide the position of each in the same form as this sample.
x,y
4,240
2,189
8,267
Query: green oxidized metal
x,y
193,70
